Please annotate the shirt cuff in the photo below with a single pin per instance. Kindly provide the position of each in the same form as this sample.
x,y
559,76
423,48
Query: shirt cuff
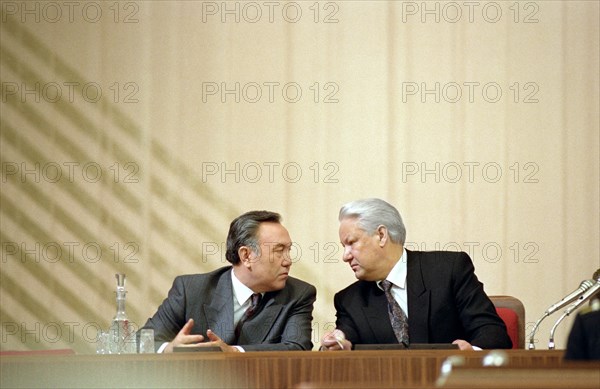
x,y
162,347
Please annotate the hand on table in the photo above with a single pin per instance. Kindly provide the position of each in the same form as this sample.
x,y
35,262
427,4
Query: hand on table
x,y
335,340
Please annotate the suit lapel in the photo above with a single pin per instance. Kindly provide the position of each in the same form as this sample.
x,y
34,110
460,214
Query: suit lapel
x,y
418,300
377,316
257,329
219,312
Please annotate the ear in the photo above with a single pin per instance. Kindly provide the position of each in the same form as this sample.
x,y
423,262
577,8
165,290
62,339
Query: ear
x,y
245,254
382,235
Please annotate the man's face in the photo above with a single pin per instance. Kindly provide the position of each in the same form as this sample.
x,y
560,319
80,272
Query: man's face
x,y
270,269
362,251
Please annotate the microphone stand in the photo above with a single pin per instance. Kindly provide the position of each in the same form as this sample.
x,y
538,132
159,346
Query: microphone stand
x,y
551,340
531,345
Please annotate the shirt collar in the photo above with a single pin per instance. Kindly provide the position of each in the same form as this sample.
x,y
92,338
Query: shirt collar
x,y
240,291
397,275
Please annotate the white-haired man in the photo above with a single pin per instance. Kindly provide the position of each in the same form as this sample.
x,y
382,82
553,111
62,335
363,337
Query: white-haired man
x,y
404,296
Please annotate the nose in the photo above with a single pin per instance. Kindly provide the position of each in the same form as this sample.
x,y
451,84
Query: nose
x,y
287,260
347,256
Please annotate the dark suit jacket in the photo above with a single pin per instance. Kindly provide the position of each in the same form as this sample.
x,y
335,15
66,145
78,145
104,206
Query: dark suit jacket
x,y
283,322
445,302
584,338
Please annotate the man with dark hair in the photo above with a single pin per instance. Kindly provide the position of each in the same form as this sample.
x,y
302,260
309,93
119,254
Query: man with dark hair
x,y
404,296
252,305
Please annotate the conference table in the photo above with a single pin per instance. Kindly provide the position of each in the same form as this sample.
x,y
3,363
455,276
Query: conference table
x,y
298,369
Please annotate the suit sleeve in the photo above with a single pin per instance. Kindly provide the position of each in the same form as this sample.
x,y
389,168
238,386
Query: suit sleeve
x,y
297,330
170,316
483,327
344,321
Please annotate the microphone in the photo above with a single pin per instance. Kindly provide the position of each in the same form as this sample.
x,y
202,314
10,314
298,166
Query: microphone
x,y
585,285
584,297
574,295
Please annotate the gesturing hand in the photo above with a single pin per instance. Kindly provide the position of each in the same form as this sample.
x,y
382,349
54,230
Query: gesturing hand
x,y
184,339
218,342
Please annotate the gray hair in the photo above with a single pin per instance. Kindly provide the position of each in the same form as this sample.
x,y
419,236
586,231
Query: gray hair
x,y
372,213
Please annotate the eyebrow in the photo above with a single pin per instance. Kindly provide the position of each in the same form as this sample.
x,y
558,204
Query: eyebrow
x,y
281,245
349,236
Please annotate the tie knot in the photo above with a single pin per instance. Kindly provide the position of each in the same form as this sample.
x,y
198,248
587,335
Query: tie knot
x,y
386,285
255,299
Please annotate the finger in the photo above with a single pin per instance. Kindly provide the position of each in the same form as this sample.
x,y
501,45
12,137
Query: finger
x,y
198,344
212,336
333,346
329,345
187,339
339,334
328,342
187,328
462,344
328,337
328,334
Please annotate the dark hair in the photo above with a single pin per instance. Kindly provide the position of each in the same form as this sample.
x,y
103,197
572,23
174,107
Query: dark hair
x,y
243,230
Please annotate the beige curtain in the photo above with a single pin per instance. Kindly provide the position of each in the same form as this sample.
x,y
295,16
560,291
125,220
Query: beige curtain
x,y
133,132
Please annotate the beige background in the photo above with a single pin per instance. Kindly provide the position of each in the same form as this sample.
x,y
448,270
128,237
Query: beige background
x,y
500,159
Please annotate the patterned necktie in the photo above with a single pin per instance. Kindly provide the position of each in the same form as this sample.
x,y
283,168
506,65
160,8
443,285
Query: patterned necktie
x,y
255,300
397,315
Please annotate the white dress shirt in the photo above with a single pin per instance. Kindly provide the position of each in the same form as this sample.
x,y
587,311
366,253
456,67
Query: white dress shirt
x,y
241,298
398,278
